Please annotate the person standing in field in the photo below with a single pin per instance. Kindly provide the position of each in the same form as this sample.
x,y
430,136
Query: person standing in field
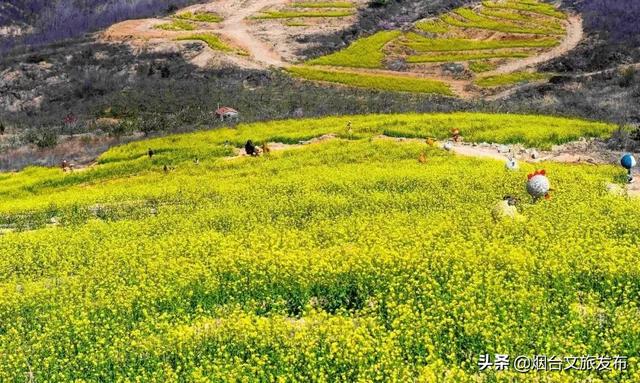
x,y
251,149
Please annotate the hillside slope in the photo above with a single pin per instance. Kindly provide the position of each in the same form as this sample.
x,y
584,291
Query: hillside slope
x,y
44,21
119,91
339,260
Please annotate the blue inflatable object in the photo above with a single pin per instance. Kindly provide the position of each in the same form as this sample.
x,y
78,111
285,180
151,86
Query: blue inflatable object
x,y
628,161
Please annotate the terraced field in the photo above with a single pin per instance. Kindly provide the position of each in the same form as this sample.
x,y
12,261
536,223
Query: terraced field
x,y
189,21
462,45
345,259
304,10
478,51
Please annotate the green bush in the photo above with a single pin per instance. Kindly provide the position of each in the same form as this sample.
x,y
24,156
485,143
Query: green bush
x,y
510,79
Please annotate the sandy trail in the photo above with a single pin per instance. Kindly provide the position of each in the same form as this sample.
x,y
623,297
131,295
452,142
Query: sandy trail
x,y
235,28
279,146
622,67
478,152
141,29
511,91
573,36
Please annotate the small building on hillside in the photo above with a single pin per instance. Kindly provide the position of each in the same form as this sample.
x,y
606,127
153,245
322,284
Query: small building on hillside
x,y
225,112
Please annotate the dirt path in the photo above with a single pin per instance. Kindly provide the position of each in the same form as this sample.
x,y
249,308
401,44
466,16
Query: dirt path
x,y
574,35
237,29
279,146
511,91
479,152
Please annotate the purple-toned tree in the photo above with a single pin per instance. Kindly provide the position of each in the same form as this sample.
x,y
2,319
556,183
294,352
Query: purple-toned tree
x,y
614,20
55,20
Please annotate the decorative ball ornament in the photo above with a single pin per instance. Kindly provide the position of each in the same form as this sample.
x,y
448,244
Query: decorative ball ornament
x,y
511,164
538,185
628,161
448,146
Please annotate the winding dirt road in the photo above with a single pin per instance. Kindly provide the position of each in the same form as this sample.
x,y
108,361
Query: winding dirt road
x,y
235,28
574,34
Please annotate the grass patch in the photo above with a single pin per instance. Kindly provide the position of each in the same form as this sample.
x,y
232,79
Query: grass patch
x,y
534,7
373,81
211,40
362,53
474,20
293,23
176,25
514,15
510,79
336,4
422,44
458,57
302,14
481,66
433,26
207,17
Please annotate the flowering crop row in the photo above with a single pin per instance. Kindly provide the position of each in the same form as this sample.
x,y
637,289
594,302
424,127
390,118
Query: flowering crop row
x,y
346,260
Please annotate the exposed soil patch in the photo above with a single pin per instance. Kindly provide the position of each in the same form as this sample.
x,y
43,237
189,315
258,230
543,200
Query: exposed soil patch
x,y
267,43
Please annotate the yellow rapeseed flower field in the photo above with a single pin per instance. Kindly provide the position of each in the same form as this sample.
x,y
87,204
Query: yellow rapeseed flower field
x,y
339,261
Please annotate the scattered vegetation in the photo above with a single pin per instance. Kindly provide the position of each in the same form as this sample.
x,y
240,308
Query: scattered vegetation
x,y
482,66
374,81
211,40
293,23
363,53
302,14
207,17
177,25
510,79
